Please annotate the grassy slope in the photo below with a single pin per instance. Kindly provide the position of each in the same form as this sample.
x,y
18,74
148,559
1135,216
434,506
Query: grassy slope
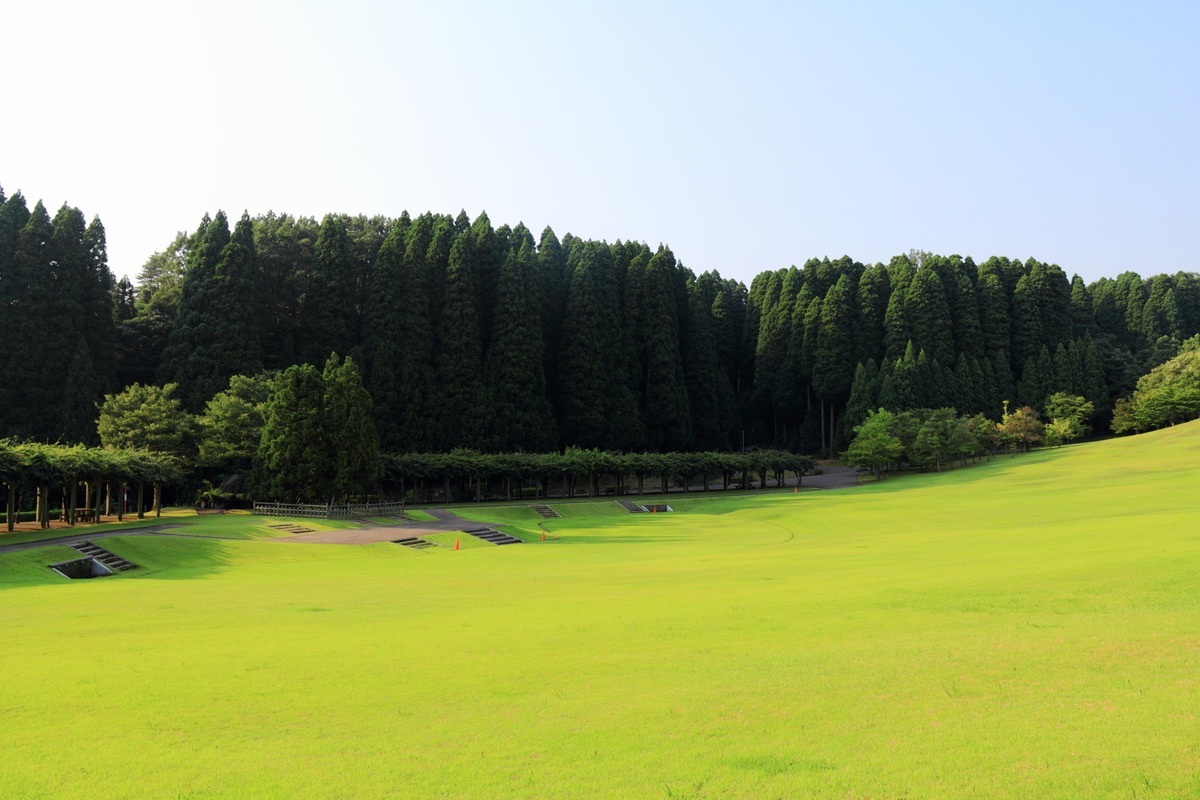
x,y
1027,628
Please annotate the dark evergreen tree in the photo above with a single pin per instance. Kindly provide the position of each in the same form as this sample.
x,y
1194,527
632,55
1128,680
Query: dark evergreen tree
x,y
663,391
29,370
190,360
384,343
832,371
1160,314
522,418
928,316
897,333
597,410
349,440
292,462
284,255
124,300
1027,333
968,329
708,389
235,341
1082,322
329,321
437,262
994,319
729,326
864,397
489,258
72,313
874,292
463,403
1187,300
774,309
552,292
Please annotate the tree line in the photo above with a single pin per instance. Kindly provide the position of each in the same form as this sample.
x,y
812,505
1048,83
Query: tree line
x,y
488,338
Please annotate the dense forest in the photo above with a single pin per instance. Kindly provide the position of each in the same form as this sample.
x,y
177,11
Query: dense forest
x,y
475,336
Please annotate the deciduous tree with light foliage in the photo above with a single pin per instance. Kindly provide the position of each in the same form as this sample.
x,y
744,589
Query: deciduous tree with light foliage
x,y
148,418
1021,428
874,447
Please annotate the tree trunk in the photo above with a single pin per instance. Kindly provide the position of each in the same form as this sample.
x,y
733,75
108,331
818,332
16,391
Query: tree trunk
x,y
43,505
74,492
120,502
141,500
11,509
157,499
822,426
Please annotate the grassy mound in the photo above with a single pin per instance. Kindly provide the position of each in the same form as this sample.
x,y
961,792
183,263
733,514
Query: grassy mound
x,y
1025,628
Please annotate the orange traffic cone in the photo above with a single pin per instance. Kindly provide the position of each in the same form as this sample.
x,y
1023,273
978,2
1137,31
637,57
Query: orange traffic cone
x,y
543,536
795,490
653,509
456,544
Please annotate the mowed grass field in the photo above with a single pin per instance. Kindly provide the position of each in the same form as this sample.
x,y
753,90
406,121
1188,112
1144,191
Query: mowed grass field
x,y
1026,628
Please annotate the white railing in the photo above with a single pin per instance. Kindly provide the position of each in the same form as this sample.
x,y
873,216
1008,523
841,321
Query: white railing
x,y
330,510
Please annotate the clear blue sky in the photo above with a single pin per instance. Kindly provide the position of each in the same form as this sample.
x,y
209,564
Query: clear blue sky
x,y
747,136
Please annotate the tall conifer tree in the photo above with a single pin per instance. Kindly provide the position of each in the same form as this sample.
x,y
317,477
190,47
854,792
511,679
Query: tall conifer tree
x,y
464,405
330,323
522,418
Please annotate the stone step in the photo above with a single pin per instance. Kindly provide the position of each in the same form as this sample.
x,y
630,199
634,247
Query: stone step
x,y
493,536
631,507
110,560
546,511
416,543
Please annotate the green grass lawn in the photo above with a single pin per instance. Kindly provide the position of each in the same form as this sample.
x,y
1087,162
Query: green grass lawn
x,y
1026,628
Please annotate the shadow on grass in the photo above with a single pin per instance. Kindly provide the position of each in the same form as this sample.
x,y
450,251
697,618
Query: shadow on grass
x,y
996,469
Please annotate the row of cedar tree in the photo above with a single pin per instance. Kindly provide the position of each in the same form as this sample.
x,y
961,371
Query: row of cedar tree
x,y
474,336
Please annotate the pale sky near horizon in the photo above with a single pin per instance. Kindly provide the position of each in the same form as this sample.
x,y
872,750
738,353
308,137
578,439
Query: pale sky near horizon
x,y
747,136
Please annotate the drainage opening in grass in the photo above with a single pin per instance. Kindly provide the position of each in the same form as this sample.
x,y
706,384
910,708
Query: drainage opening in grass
x,y
81,568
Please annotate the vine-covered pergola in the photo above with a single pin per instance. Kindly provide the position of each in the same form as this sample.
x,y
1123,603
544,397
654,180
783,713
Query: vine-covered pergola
x,y
575,467
88,479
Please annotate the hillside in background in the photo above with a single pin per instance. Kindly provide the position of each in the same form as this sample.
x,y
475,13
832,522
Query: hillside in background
x,y
471,335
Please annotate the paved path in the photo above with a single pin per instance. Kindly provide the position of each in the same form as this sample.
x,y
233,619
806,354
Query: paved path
x,y
832,477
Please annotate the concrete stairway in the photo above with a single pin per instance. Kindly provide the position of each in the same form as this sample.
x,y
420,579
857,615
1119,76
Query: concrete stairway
x,y
492,535
631,507
417,543
110,560
546,511
289,527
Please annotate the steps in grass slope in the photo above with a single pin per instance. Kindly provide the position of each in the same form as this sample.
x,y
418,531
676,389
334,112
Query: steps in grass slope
x,y
492,535
635,508
289,527
545,511
417,543
96,562
109,559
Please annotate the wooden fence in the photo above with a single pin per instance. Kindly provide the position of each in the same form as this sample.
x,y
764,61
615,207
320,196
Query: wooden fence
x,y
329,511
